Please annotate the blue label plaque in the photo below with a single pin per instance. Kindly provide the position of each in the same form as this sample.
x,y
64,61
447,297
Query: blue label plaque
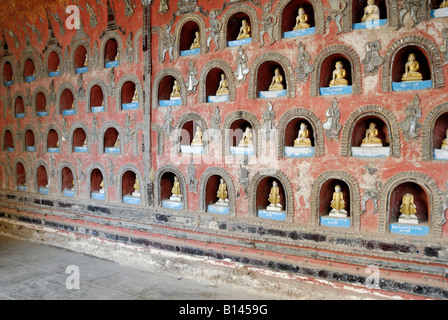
x,y
212,208
335,222
82,70
112,64
190,52
299,33
272,215
129,106
175,205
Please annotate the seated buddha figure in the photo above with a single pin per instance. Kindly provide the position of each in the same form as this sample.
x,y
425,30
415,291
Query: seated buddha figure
x,y
197,140
244,31
371,12
339,76
196,42
176,90
445,141
247,138
444,4
371,139
303,140
411,70
301,20
277,80
223,86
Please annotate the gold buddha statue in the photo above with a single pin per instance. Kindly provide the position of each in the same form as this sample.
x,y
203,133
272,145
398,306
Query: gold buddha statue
x,y
445,141
274,196
101,190
371,12
222,192
339,74
408,208
244,31
197,140
411,69
303,140
86,62
277,80
223,86
196,42
444,4
371,139
175,191
176,90
84,144
136,187
117,143
135,96
73,185
337,203
247,138
301,20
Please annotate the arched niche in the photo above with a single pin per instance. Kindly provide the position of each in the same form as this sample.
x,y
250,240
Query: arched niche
x,y
326,196
322,193
208,188
53,62
401,57
287,11
111,141
358,9
259,190
234,126
163,185
354,129
8,74
80,58
427,54
67,103
165,90
111,51
20,176
68,182
186,30
263,191
186,128
425,191
8,141
324,65
97,183
289,126
40,103
211,76
328,65
212,81
130,94
97,99
231,23
128,192
42,179
290,13
52,141
29,70
266,72
79,140
29,141
434,132
421,201
19,107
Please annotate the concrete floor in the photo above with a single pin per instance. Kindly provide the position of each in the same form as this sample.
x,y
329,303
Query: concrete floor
x,y
30,271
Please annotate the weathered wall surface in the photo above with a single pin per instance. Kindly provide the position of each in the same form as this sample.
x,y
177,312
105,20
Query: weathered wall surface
x,y
150,59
